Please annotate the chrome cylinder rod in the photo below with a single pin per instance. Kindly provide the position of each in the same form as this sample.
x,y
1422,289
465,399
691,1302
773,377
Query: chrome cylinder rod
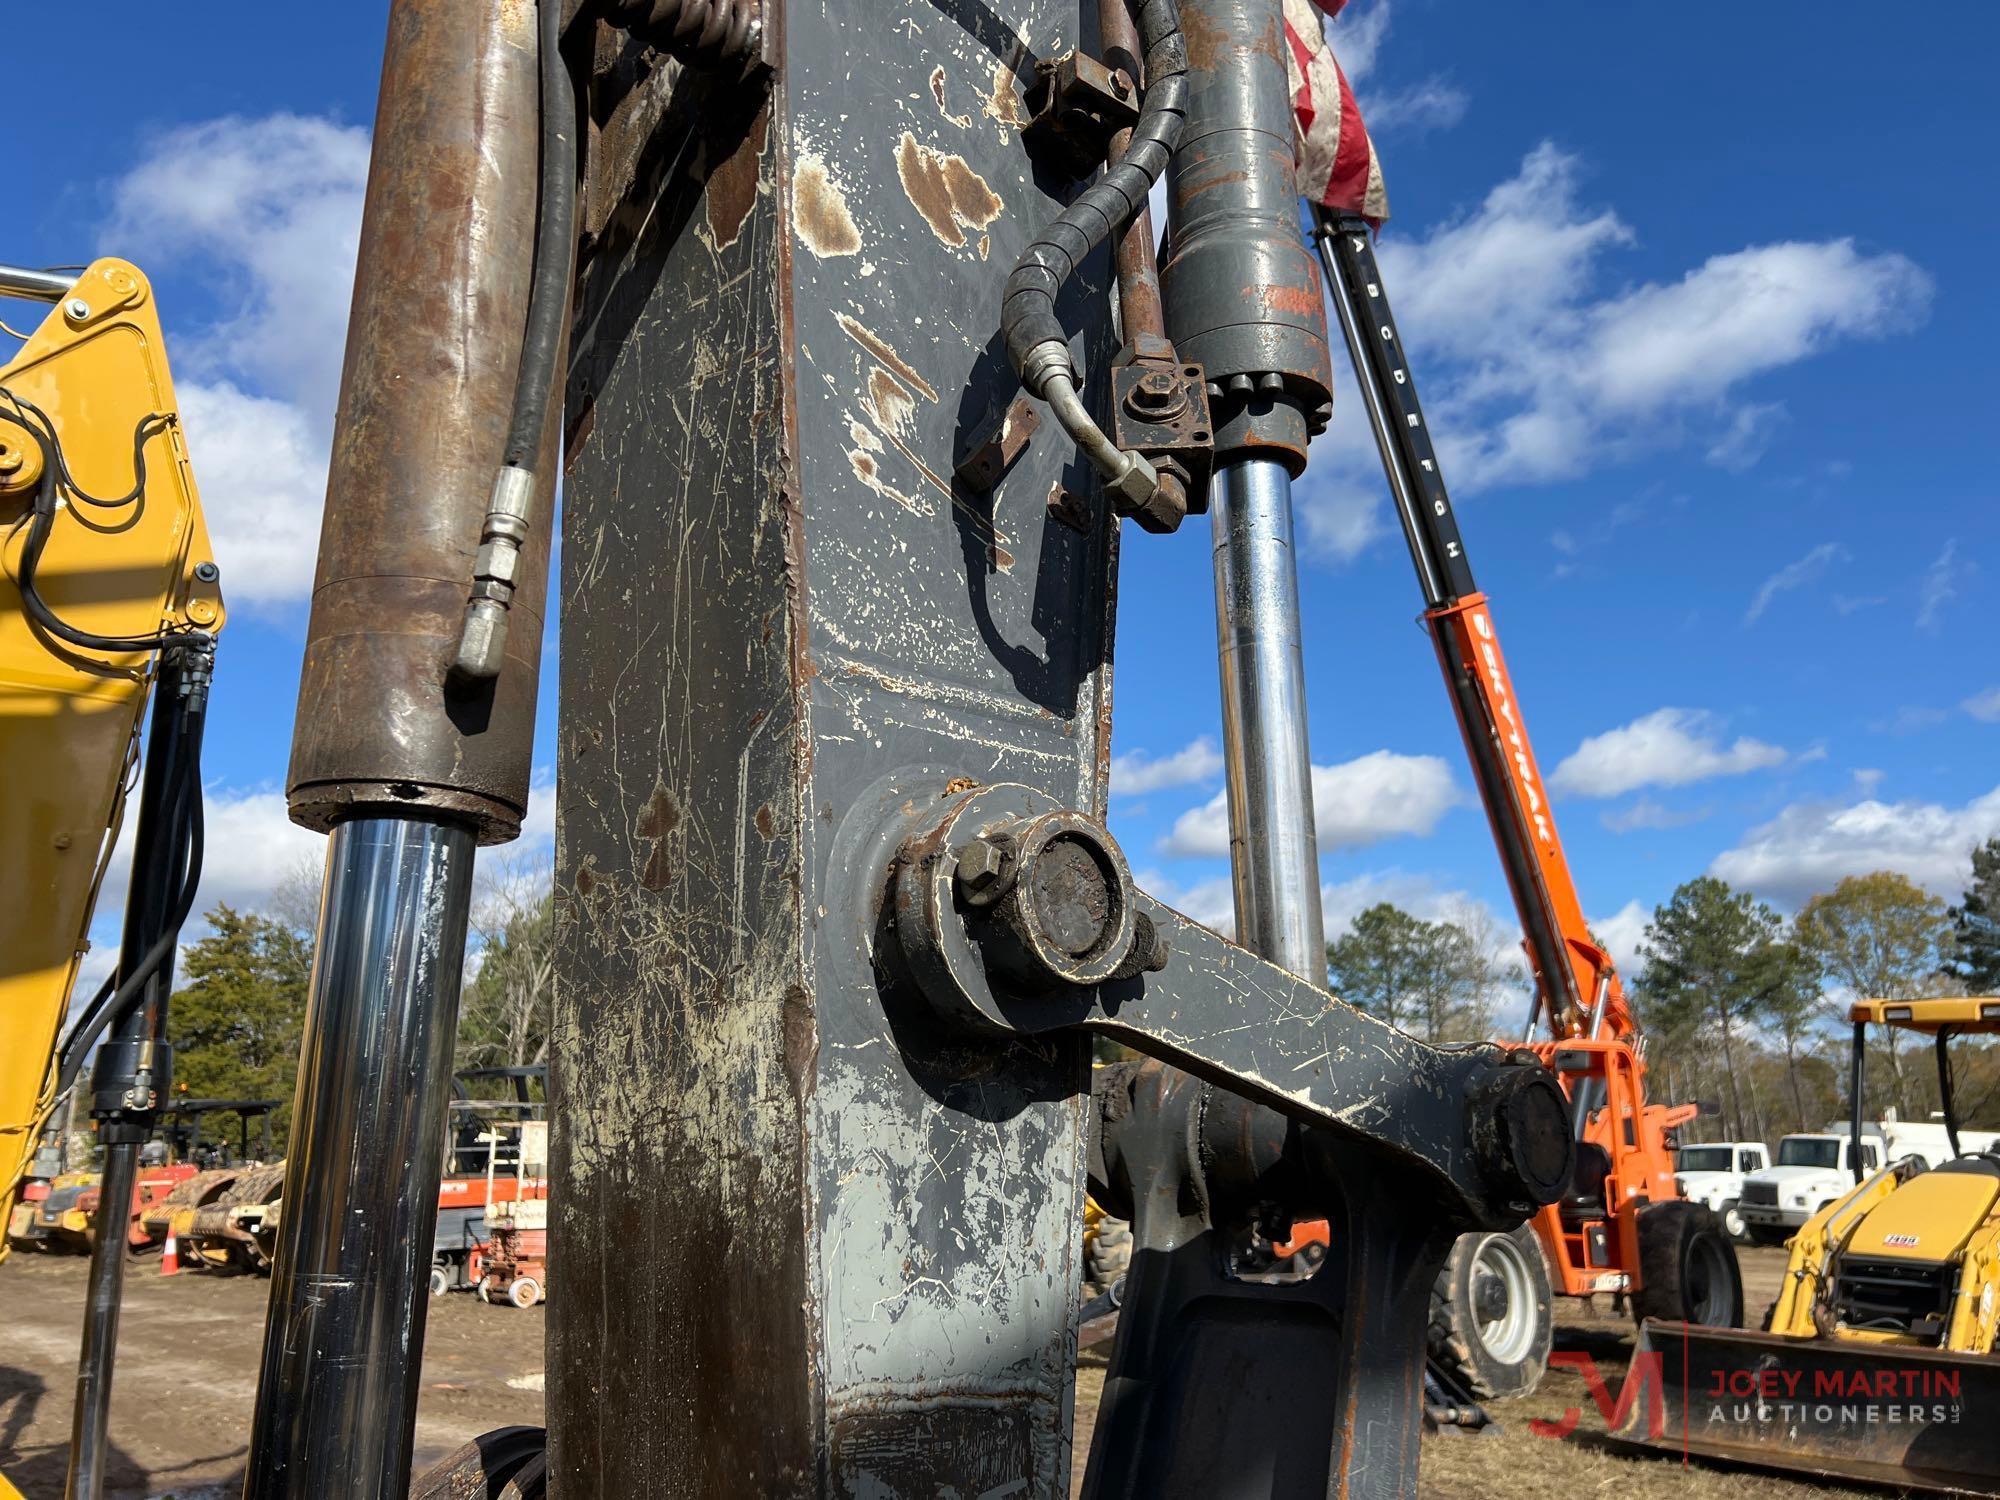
x,y
90,1418
337,1394
37,286
1273,844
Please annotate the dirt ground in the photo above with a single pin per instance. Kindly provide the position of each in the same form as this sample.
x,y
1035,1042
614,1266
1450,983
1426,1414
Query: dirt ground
x,y
188,1371
187,1377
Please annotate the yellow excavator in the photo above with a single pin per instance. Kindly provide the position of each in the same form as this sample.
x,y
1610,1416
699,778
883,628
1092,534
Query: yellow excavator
x,y
1877,1360
110,602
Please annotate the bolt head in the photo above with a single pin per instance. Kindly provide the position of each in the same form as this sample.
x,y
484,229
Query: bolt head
x,y
982,866
77,309
207,572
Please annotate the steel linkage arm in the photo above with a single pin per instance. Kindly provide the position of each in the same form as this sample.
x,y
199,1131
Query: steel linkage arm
x,y
1014,917
1018,917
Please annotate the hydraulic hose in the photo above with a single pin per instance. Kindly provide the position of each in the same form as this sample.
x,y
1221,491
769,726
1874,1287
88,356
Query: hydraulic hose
x,y
184,814
57,485
1037,345
482,644
702,33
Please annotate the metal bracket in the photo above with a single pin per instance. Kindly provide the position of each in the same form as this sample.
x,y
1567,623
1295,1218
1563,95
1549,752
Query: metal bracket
x,y
1077,104
1159,409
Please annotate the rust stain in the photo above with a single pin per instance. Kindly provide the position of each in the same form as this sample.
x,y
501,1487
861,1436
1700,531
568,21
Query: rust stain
x,y
660,816
946,191
1207,40
1004,103
937,93
764,823
732,187
658,872
819,211
1300,301
888,402
868,339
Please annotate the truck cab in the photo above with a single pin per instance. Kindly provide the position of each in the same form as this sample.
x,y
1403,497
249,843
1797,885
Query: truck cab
x,y
1712,1174
1812,1171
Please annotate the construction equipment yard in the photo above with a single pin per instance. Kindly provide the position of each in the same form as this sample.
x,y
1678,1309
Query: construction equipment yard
x,y
188,1352
639,963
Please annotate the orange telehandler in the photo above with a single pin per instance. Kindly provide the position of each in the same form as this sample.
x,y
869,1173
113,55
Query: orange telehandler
x,y
1623,1226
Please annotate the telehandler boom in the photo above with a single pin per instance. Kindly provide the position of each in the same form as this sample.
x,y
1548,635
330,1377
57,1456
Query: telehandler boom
x,y
1622,1225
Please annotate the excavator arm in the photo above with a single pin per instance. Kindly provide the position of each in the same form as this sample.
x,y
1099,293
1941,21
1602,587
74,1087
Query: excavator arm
x,y
109,604
106,559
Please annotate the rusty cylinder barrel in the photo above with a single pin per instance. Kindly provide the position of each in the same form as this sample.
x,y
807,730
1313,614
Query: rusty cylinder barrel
x,y
440,301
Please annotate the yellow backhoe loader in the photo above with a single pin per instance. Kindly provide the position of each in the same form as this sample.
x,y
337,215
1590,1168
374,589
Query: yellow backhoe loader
x,y
1877,1359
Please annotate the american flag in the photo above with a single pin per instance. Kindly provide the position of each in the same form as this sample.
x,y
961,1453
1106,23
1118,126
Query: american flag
x,y
1337,162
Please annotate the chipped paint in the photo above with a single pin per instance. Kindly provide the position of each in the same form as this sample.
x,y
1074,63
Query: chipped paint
x,y
937,93
1003,101
876,345
820,214
945,190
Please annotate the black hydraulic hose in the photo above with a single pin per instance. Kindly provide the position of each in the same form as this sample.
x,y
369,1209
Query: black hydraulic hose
x,y
555,238
1028,320
1945,1100
482,641
185,812
1857,1080
702,33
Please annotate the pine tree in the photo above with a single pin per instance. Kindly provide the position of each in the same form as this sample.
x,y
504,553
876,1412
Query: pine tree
x,y
1976,923
1708,961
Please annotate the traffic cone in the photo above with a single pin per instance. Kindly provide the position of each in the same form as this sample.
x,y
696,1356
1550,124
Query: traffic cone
x,y
170,1256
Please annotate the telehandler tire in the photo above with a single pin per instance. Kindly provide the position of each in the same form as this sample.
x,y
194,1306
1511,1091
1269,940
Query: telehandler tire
x,y
1687,1268
1491,1322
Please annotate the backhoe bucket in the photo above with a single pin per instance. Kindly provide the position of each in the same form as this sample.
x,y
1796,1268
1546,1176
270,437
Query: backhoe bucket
x,y
1919,1418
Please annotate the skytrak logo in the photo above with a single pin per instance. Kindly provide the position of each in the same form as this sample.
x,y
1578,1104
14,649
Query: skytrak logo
x,y
1510,727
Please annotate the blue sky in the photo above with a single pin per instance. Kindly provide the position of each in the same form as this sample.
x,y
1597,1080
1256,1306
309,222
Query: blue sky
x,y
1702,317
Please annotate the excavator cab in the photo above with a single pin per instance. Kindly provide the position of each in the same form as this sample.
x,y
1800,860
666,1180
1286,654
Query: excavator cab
x,y
1890,1300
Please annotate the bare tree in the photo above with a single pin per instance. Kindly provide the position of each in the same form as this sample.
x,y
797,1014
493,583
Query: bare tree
x,y
504,1012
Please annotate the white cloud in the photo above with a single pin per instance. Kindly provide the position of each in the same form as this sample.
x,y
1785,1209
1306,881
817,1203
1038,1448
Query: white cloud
x,y
1534,368
1985,706
267,213
249,847
1940,585
261,471
1361,801
1668,747
1620,933
1810,846
1434,104
268,210
1646,813
1794,575
1356,36
1135,773
1211,902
